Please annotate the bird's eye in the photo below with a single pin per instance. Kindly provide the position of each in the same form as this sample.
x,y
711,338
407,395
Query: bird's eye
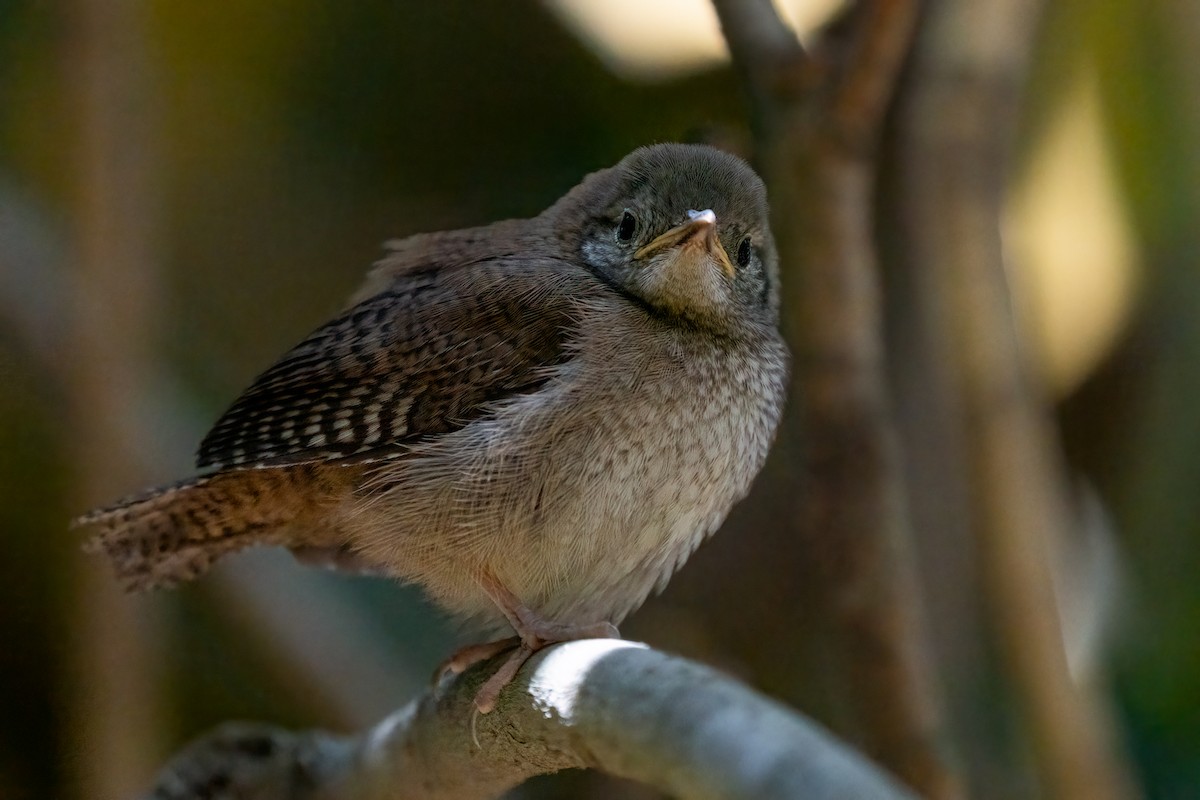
x,y
743,253
627,228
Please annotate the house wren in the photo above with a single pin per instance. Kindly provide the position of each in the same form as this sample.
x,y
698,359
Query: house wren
x,y
537,420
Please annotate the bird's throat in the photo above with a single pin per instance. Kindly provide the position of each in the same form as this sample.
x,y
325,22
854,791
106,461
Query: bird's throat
x,y
687,280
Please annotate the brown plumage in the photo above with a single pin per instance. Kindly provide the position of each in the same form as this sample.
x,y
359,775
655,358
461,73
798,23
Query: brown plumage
x,y
537,421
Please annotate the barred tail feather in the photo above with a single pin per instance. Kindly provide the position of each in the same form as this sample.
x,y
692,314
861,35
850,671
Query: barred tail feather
x,y
174,533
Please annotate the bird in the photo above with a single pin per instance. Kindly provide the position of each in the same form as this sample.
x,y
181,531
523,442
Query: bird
x,y
537,420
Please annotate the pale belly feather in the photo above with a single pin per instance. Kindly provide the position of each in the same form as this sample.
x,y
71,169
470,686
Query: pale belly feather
x,y
617,479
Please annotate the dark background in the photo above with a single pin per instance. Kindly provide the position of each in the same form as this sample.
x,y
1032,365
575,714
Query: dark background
x,y
268,147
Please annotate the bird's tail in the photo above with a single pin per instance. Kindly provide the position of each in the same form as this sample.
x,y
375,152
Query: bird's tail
x,y
174,533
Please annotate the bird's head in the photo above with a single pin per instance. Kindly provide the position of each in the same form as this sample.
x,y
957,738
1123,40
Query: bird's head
x,y
682,229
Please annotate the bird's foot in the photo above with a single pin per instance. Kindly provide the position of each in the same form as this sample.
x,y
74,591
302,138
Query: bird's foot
x,y
489,693
534,632
466,657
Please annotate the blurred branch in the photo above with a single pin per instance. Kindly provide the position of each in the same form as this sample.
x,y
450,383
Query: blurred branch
x,y
348,662
765,52
115,296
616,706
881,35
816,150
754,31
165,426
956,135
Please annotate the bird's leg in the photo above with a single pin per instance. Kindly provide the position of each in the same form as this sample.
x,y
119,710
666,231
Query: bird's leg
x,y
533,631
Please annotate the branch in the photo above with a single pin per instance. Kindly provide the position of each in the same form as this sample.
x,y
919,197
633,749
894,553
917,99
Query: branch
x,y
758,41
956,133
850,518
612,705
858,61
114,669
765,51
882,34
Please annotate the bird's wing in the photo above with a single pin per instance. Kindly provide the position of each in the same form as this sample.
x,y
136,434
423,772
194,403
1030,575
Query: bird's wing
x,y
429,353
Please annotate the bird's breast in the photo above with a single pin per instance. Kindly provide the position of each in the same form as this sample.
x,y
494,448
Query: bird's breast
x,y
655,435
584,495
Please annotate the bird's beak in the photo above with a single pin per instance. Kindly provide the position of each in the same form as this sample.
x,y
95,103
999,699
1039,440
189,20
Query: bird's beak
x,y
696,237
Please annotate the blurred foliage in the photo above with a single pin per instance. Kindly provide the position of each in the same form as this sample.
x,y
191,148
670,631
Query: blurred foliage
x,y
295,136
33,485
1133,428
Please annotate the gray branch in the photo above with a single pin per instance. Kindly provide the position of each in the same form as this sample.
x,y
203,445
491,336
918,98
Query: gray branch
x,y
756,36
615,706
767,55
